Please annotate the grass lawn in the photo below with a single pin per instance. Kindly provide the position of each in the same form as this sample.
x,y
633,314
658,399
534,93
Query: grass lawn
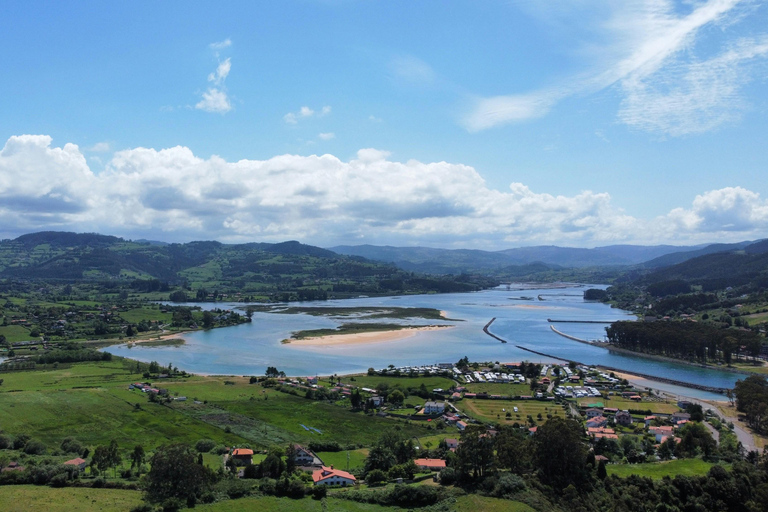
x,y
434,440
23,498
658,470
339,459
500,389
290,505
475,502
136,315
491,410
405,382
663,407
14,333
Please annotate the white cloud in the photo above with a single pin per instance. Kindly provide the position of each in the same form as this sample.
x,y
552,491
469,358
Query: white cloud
x,y
651,52
221,44
221,72
325,200
327,136
409,70
305,112
100,147
214,100
374,119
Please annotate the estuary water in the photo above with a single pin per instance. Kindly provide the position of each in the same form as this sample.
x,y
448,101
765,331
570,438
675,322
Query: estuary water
x,y
521,319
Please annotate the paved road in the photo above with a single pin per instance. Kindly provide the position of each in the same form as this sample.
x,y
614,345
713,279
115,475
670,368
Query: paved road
x,y
744,437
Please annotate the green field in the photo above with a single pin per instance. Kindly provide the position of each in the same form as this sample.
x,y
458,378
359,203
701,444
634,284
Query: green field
x,y
339,459
14,333
491,410
23,498
658,470
404,382
662,407
475,502
500,389
145,313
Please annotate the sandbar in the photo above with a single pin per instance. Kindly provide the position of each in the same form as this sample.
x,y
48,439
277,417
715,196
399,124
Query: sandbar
x,y
363,337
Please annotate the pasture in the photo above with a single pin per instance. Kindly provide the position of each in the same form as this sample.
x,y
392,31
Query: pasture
x,y
658,470
495,411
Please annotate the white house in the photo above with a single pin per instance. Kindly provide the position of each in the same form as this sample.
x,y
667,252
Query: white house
x,y
330,476
434,407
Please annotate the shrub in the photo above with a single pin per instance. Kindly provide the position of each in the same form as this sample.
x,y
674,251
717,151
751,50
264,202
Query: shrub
x,y
375,476
144,507
34,447
71,445
5,442
205,445
319,492
59,480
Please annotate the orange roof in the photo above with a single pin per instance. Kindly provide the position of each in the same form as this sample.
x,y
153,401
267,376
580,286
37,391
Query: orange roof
x,y
75,462
325,473
430,463
241,452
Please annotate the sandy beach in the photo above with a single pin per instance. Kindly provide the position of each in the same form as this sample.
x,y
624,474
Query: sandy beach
x,y
363,337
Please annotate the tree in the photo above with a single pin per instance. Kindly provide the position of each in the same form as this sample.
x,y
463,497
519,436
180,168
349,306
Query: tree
x,y
175,474
474,456
290,458
355,399
559,453
137,457
396,397
601,471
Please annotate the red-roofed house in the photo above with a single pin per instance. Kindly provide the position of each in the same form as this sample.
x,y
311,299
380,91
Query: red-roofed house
x,y
430,464
330,476
661,432
78,462
597,421
243,455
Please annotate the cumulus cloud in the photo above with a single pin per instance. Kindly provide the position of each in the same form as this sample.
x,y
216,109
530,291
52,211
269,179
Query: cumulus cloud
x,y
214,100
220,45
325,200
305,112
673,76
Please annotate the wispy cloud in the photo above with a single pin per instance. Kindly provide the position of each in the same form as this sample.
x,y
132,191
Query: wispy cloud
x,y
305,112
215,98
410,70
326,136
100,147
647,48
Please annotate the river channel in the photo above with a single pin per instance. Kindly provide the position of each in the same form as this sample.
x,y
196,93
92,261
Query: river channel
x,y
521,318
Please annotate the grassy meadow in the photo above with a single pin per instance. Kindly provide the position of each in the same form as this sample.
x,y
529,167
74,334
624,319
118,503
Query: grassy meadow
x,y
658,470
494,411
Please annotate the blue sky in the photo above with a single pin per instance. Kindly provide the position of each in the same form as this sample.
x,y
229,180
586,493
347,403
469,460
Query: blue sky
x,y
481,124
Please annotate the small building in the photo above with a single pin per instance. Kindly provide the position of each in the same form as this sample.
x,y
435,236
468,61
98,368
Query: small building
x,y
677,417
648,420
661,433
376,401
430,464
597,422
461,425
243,455
78,462
305,456
330,476
451,443
594,412
434,407
623,418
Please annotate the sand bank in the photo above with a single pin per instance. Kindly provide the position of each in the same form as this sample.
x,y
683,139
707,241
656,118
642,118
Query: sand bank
x,y
363,337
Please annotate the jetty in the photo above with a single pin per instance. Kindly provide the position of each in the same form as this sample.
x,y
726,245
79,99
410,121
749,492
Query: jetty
x,y
489,333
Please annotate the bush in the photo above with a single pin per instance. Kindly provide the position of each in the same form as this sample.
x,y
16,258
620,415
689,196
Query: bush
x,y
34,447
325,446
20,441
59,480
205,445
448,476
98,483
5,442
144,507
172,505
376,476
233,488
319,492
71,445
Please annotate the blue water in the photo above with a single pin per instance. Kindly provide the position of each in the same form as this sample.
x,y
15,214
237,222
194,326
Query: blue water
x,y
248,349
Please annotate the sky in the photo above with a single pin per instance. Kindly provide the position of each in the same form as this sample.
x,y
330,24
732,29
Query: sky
x,y
482,124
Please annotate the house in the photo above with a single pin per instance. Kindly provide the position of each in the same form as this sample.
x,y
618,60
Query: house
x,y
661,433
330,476
78,462
593,413
680,416
532,431
456,396
243,455
623,418
430,464
597,421
376,401
610,410
305,456
602,433
434,407
461,425
451,444
648,420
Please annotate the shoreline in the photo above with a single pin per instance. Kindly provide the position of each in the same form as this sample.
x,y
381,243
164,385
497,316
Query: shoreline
x,y
363,338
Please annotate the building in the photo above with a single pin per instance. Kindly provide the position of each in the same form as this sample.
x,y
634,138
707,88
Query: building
x,y
623,418
680,416
305,456
330,476
434,408
451,444
597,422
430,464
661,433
594,412
78,462
461,425
243,455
